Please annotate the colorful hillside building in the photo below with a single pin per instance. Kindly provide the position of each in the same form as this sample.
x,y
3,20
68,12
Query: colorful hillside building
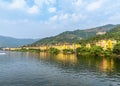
x,y
88,46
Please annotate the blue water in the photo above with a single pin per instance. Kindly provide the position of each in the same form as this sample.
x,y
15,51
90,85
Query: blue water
x,y
42,69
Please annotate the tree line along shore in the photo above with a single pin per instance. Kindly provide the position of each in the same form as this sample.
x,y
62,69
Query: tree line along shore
x,y
100,48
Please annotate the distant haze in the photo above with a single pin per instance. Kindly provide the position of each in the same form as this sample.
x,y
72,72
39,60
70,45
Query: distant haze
x,y
44,18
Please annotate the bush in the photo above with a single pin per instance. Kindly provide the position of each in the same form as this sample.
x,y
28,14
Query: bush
x,y
68,51
108,52
82,50
96,51
34,50
54,50
116,49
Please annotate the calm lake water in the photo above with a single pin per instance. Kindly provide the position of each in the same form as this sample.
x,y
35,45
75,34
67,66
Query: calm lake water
x,y
42,69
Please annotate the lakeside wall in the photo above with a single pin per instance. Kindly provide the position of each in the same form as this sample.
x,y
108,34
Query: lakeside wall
x,y
45,48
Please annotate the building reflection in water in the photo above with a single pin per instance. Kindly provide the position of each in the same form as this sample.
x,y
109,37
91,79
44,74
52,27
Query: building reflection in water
x,y
72,59
44,56
107,65
102,64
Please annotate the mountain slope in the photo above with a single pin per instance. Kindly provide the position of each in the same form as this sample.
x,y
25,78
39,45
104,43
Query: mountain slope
x,y
73,36
112,34
13,42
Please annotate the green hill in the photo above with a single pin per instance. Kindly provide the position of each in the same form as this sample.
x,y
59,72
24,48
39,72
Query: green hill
x,y
13,42
112,34
73,36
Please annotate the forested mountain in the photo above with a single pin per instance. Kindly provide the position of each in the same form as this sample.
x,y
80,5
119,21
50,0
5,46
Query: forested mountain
x,y
13,42
73,36
112,34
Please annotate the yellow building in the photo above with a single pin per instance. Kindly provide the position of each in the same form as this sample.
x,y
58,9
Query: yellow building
x,y
88,46
106,44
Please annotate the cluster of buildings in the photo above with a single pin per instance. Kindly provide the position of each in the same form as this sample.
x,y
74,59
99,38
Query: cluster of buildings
x,y
59,47
101,33
106,44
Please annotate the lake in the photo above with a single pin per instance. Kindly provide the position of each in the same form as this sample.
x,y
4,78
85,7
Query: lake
x,y
43,69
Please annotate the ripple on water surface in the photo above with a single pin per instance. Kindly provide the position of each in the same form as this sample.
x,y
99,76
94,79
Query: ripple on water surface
x,y
42,69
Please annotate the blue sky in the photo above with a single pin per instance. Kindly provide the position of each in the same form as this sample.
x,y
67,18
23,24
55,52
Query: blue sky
x,y
43,18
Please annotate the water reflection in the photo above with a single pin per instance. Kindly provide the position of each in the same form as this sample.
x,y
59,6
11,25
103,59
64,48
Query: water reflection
x,y
107,65
102,64
35,69
71,59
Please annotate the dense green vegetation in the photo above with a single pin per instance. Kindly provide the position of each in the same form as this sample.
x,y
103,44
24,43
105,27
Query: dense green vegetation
x,y
68,51
82,50
112,34
73,36
116,49
53,50
94,50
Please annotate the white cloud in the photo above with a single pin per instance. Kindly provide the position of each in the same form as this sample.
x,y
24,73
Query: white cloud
x,y
63,16
59,17
53,18
77,17
66,17
22,5
14,22
33,10
78,3
40,3
52,9
95,5
50,2
3,4
114,18
18,4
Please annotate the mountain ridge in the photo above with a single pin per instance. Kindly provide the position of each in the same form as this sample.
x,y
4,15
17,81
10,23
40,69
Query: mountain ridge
x,y
113,34
73,36
6,41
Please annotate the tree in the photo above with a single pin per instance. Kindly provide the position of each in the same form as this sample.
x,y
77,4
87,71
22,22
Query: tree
x,y
116,48
82,50
54,50
96,50
68,51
